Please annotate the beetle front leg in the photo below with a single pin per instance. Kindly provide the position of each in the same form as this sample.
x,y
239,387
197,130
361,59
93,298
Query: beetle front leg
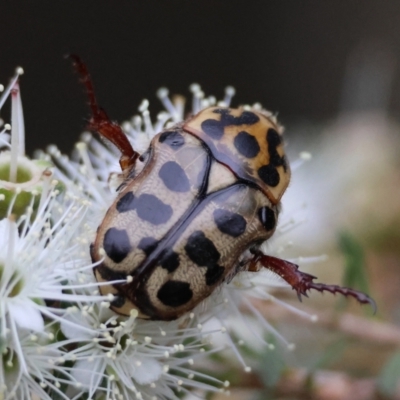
x,y
101,123
300,281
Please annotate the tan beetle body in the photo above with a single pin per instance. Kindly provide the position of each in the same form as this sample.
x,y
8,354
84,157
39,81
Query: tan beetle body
x,y
208,193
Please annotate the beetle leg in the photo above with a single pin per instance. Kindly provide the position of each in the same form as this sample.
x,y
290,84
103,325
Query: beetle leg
x,y
101,123
300,281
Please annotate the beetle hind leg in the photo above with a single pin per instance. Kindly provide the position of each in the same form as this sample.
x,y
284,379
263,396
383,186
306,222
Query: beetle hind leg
x,y
302,282
101,123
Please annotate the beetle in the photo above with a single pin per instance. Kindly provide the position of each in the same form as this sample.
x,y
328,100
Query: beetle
x,y
196,214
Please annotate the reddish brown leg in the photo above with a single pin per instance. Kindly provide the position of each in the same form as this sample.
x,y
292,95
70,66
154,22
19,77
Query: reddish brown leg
x,y
302,282
99,122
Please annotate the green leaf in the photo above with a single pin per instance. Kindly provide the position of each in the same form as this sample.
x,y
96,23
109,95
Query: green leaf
x,y
354,262
272,365
389,377
354,273
3,342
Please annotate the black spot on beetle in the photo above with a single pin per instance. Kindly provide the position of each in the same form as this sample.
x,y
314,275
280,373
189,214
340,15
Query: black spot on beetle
x,y
269,175
267,218
109,274
201,250
169,260
116,244
246,118
214,274
174,177
224,112
148,244
174,139
126,202
152,209
213,128
246,144
175,293
147,206
118,301
273,138
228,222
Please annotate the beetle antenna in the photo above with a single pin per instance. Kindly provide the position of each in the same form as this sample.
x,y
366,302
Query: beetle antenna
x,y
100,122
86,79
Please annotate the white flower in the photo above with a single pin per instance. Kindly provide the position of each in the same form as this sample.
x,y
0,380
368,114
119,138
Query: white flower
x,y
37,373
139,359
41,264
